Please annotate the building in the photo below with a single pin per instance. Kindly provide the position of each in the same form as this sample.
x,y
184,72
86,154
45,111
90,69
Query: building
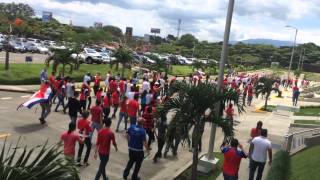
x,y
97,25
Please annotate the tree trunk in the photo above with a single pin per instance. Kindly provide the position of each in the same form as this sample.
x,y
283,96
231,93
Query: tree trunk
x,y
117,66
266,102
7,59
122,73
63,68
195,158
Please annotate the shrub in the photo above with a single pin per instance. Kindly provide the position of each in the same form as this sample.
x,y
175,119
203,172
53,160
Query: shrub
x,y
280,166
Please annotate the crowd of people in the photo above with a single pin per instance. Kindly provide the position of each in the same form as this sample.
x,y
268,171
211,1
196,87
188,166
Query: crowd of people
x,y
134,103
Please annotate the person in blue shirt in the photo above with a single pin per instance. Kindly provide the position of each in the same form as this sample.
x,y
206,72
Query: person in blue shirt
x,y
136,135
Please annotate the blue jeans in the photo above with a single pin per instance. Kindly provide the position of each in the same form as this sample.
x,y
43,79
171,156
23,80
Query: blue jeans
x,y
133,120
95,125
253,166
227,177
121,116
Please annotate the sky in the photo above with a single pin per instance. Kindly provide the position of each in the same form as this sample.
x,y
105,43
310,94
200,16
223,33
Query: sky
x,y
203,18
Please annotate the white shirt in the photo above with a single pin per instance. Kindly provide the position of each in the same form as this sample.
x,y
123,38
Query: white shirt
x,y
145,86
131,95
261,146
162,82
70,89
149,98
86,78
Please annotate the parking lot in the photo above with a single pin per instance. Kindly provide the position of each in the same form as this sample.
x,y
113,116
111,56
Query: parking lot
x,y
20,57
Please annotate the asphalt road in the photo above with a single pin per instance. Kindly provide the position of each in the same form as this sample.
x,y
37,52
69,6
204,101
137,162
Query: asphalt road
x,y
24,123
20,57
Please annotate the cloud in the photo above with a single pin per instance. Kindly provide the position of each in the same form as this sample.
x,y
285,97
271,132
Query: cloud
x,y
203,18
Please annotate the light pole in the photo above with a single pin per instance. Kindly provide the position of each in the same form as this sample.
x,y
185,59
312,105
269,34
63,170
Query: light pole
x,y
294,44
224,56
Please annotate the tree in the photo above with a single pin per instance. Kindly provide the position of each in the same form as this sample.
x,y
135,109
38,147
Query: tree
x,y
115,31
264,86
194,105
188,40
16,10
123,56
61,56
47,164
171,37
197,65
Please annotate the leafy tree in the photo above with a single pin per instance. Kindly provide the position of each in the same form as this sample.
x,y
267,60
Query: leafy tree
x,y
198,65
264,86
171,37
16,10
188,40
191,104
61,56
113,30
47,164
123,56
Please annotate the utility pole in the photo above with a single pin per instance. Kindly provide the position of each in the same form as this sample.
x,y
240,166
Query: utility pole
x,y
179,28
292,54
224,56
304,53
300,58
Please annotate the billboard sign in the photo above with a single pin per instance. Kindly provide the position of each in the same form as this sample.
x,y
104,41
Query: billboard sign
x,y
146,38
129,31
155,30
46,16
98,25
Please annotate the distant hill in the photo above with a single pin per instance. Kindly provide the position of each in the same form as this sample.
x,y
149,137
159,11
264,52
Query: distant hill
x,y
276,43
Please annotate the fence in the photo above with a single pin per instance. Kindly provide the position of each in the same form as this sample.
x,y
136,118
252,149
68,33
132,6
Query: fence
x,y
298,140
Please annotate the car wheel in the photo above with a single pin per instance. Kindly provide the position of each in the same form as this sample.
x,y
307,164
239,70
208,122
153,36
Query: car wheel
x,y
89,60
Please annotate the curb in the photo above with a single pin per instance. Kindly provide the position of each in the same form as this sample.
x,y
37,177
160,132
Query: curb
x,y
18,91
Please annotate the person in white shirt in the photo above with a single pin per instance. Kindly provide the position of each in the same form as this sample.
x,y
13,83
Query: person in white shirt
x,y
149,97
87,78
259,148
145,85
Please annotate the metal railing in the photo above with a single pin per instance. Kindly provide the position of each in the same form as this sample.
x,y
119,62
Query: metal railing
x,y
297,141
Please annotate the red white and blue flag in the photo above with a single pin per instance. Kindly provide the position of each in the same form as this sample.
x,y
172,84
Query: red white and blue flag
x,y
43,95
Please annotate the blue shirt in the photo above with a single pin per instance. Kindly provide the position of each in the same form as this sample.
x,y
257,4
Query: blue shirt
x,y
137,135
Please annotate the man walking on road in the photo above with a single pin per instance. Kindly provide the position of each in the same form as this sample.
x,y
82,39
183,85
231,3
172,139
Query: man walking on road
x,y
259,148
133,109
74,106
104,139
232,159
136,135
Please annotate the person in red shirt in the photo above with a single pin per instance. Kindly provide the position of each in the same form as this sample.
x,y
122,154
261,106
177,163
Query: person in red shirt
x,y
250,94
84,131
149,124
255,132
84,96
112,86
52,78
232,159
107,101
96,84
133,109
104,139
96,117
122,85
99,94
123,113
115,102
69,139
230,112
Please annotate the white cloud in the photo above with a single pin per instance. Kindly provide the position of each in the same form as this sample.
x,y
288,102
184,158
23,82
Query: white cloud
x,y
203,18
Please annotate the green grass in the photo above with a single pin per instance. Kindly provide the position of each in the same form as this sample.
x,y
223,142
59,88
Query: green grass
x,y
181,70
187,174
270,108
305,165
280,168
308,111
315,122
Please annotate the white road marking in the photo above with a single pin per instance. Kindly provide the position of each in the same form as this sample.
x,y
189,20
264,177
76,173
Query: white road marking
x,y
26,96
5,98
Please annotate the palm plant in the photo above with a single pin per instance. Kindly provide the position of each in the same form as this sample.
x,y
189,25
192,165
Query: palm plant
x,y
28,164
61,56
123,56
190,103
264,86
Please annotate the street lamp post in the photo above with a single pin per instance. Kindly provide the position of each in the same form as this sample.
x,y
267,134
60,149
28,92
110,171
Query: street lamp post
x,y
294,44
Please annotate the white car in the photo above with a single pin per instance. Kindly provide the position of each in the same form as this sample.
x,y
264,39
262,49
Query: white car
x,y
89,56
42,49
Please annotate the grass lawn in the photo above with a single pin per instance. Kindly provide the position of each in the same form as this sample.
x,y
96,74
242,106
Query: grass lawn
x,y
315,122
270,108
29,73
305,165
308,111
187,174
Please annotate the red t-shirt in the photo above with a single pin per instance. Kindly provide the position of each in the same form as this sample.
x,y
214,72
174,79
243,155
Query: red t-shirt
x,y
56,84
112,86
106,102
133,107
232,159
250,91
229,112
121,86
96,112
255,132
105,136
84,126
149,123
97,80
115,98
69,141
99,94
123,106
52,79
85,92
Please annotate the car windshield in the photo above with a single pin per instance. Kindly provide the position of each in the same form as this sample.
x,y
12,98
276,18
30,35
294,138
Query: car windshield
x,y
91,51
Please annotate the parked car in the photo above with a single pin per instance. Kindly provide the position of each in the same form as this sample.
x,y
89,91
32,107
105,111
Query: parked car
x,y
16,47
42,49
89,56
31,47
